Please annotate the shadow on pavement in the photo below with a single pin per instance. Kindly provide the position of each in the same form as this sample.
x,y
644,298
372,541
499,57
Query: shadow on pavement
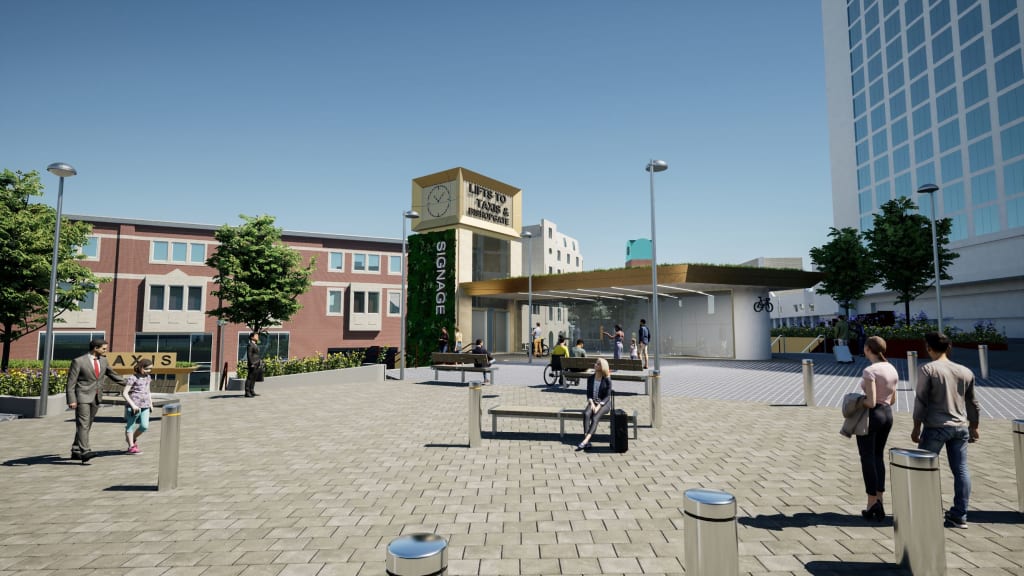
x,y
808,519
446,445
223,396
42,459
840,568
995,517
131,488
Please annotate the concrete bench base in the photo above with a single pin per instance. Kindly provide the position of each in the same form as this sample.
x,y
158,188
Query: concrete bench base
x,y
463,368
548,413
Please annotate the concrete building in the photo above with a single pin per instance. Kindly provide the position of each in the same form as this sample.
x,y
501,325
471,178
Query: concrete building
x,y
553,253
638,253
160,286
933,92
803,307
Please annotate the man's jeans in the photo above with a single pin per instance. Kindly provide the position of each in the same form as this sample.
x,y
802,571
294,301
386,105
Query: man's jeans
x,y
955,440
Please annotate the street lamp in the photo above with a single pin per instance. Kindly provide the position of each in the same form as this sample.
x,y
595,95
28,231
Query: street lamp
x,y
408,215
652,167
930,190
529,295
63,171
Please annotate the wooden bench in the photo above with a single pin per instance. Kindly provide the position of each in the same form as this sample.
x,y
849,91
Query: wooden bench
x,y
623,369
549,413
161,392
456,362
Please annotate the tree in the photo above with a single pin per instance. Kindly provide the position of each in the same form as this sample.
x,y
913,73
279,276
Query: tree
x,y
26,257
260,277
900,242
846,263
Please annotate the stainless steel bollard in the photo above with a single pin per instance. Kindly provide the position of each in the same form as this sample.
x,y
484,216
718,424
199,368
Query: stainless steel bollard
x,y
475,394
917,511
912,369
808,367
983,359
709,529
170,432
422,554
1018,450
655,392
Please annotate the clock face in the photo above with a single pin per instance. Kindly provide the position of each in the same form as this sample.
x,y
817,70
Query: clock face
x,y
438,200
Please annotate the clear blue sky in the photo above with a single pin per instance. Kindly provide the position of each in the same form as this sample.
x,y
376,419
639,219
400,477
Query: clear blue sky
x,y
321,113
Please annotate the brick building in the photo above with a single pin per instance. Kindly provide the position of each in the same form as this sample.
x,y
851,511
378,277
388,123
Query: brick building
x,y
160,287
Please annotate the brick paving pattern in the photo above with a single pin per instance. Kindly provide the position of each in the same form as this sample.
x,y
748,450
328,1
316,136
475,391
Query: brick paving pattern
x,y
316,480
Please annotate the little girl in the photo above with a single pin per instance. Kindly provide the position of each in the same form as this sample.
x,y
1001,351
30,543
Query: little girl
x,y
632,350
136,413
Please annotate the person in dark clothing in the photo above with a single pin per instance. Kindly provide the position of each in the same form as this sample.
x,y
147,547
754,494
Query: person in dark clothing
x,y
254,360
478,348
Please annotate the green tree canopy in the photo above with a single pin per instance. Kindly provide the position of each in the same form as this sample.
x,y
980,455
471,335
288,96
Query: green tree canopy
x,y
260,277
26,258
900,242
847,266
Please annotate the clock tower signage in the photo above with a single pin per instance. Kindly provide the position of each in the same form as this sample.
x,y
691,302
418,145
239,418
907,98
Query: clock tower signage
x,y
488,205
438,200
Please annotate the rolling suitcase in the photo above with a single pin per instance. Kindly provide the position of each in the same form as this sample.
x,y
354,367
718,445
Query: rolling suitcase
x,y
620,431
842,353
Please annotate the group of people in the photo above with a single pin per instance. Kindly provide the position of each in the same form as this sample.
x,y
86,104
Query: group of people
x,y
84,390
946,414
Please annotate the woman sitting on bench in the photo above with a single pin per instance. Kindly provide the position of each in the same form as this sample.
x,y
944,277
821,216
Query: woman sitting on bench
x,y
599,396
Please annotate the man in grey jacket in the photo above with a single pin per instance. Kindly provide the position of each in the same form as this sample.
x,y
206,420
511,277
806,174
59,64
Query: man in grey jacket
x,y
946,406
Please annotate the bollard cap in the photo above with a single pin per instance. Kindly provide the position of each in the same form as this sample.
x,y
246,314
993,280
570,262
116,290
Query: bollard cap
x,y
1018,426
173,408
914,459
808,361
419,554
709,504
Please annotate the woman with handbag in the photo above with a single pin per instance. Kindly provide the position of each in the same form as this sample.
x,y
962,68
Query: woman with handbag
x,y
599,401
879,385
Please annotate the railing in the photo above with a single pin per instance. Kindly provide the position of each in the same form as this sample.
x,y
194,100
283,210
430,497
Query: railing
x,y
814,344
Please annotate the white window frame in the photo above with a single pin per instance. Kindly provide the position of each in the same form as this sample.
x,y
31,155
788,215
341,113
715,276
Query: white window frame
x,y
397,294
185,288
366,262
86,257
392,257
340,268
341,301
189,247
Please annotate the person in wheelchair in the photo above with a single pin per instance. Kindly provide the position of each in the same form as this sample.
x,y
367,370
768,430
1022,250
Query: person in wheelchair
x,y
561,350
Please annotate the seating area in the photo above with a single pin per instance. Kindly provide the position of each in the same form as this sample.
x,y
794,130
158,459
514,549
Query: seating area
x,y
623,369
161,391
462,363
549,413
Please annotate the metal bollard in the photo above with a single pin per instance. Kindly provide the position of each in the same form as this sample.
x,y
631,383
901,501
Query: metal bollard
x,y
983,359
808,367
655,392
422,554
1018,450
912,369
170,432
709,529
917,511
475,394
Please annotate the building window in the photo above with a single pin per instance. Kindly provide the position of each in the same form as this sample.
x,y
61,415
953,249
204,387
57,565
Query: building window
x,y
979,121
972,57
1009,70
1013,178
922,119
896,75
901,159
862,152
334,300
945,106
980,155
91,249
903,184
366,302
945,75
1011,105
883,194
879,143
864,200
917,62
959,230
924,148
983,188
912,10
68,345
1015,213
970,24
942,44
999,8
394,303
551,231
272,344
949,135
878,117
336,262
975,89
196,348
919,91
939,16
881,168
366,262
952,167
172,298
394,264
178,252
1012,140
899,132
953,198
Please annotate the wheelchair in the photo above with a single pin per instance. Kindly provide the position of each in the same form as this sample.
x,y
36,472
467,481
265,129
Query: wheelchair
x,y
553,372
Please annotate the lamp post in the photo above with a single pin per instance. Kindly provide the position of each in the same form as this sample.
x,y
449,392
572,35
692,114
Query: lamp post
x,y
63,171
408,215
652,167
529,295
930,190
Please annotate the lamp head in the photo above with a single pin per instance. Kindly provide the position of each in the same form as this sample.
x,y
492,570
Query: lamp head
x,y
526,235
928,189
657,166
61,169
412,214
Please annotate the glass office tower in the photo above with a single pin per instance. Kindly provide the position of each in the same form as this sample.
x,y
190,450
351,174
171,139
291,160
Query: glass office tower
x,y
926,91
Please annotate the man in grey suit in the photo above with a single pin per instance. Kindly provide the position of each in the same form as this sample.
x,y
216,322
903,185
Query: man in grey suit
x,y
85,378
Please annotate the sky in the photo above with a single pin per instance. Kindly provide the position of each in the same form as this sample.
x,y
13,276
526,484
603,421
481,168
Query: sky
x,y
320,113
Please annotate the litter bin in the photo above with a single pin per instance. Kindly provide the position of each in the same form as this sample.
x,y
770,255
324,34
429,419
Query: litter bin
x,y
167,476
709,526
1018,450
422,554
917,511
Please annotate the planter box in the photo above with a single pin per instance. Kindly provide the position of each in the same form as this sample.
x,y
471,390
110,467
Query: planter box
x,y
372,373
26,406
974,345
898,348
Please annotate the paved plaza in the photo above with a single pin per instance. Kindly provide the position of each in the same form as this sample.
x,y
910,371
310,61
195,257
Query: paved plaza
x,y
312,479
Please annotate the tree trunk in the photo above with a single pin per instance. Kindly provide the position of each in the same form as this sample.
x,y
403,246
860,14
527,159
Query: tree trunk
x,y
907,308
6,360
